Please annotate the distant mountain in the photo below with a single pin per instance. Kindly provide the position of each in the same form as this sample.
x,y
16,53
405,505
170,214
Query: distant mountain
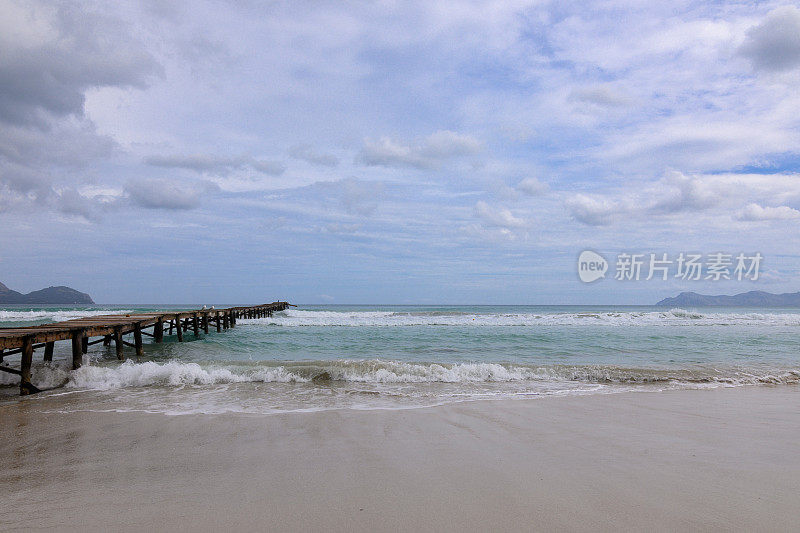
x,y
745,299
50,295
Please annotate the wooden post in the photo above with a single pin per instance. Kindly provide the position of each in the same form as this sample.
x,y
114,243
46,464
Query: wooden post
x,y
219,324
233,318
205,322
107,340
179,329
77,348
25,367
137,339
158,331
171,324
85,344
118,343
48,351
186,325
196,324
225,320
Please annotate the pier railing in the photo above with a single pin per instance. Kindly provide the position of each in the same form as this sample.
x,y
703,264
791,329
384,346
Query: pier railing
x,y
112,328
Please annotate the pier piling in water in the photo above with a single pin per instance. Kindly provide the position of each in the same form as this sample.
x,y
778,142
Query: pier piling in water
x,y
118,343
77,348
158,331
48,351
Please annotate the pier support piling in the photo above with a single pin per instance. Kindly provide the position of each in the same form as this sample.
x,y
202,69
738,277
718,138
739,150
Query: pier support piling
x,y
158,331
118,343
137,339
25,367
48,351
77,348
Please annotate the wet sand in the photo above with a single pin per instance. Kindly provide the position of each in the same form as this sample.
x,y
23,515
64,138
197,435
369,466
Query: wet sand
x,y
724,459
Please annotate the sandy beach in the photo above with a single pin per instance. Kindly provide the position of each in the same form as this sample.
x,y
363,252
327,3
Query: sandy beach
x,y
722,459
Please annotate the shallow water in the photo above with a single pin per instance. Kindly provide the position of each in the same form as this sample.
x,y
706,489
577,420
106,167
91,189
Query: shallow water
x,y
366,357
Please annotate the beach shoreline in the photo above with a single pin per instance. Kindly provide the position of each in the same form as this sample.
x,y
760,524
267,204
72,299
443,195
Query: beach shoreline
x,y
689,459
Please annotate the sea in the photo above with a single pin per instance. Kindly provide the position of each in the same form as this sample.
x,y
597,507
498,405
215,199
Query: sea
x,y
323,357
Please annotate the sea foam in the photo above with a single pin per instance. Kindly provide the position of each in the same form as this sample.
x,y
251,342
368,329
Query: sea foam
x,y
298,318
174,373
40,315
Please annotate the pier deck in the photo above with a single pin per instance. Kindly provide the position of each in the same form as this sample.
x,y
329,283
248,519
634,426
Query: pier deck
x,y
112,328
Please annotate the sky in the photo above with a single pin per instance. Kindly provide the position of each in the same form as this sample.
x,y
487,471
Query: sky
x,y
394,152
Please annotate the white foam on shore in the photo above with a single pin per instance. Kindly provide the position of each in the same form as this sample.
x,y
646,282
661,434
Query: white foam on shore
x,y
171,373
174,373
174,388
297,318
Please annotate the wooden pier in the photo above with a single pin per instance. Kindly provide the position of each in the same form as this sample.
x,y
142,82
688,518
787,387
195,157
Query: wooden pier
x,y
112,328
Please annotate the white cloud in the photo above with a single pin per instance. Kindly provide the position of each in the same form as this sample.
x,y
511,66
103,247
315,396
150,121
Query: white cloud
x,y
273,168
532,187
677,192
443,144
678,199
52,55
163,194
774,44
498,216
427,153
754,212
203,163
592,210
307,153
600,96
352,196
71,202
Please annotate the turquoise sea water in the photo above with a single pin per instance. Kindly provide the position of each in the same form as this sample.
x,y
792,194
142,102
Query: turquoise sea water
x,y
322,357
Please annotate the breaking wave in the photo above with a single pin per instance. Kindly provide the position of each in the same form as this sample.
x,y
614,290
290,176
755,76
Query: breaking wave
x,y
174,373
297,318
41,315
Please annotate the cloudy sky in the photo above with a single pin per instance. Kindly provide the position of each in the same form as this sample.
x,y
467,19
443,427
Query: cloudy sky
x,y
393,152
